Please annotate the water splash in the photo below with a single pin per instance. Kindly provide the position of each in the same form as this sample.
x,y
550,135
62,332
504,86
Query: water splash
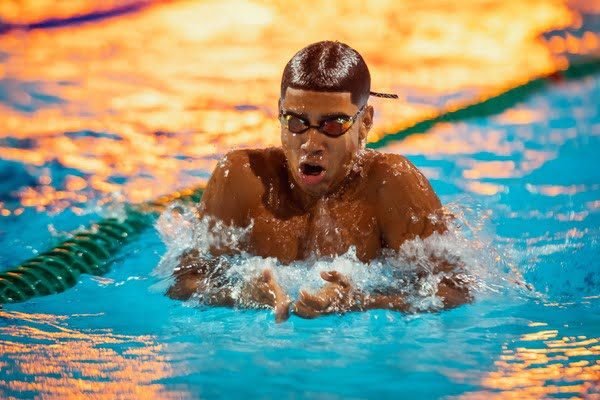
x,y
487,269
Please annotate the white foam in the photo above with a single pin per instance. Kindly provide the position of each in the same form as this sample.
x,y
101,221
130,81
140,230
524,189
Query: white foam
x,y
468,243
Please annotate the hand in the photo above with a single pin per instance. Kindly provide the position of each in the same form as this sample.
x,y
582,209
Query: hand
x,y
337,296
265,290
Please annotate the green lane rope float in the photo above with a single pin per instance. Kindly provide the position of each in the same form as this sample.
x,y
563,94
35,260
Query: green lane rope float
x,y
87,252
92,251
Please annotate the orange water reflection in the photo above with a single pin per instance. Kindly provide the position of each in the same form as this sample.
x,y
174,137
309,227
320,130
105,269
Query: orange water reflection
x,y
32,12
57,362
179,83
544,364
558,190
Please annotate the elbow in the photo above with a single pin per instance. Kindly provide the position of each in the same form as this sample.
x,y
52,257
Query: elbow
x,y
180,292
185,286
454,295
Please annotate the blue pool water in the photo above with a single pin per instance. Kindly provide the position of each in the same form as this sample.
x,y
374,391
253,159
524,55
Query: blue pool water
x,y
526,181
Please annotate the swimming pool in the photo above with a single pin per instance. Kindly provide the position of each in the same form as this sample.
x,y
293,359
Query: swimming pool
x,y
526,181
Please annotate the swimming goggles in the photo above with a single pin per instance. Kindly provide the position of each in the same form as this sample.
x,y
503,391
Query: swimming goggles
x,y
332,127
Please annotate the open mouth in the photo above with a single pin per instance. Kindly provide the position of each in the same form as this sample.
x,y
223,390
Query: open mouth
x,y
311,174
311,169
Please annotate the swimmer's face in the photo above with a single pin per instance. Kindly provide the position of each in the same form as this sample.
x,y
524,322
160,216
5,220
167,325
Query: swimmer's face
x,y
318,163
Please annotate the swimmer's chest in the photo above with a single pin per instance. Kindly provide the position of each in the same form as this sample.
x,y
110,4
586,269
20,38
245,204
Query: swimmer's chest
x,y
328,229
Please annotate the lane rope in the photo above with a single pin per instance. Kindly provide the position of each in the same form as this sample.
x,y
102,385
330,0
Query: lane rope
x,y
88,252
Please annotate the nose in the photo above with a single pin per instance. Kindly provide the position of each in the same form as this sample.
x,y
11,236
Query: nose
x,y
314,144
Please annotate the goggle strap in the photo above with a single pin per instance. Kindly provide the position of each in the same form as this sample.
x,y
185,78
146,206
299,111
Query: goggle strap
x,y
384,95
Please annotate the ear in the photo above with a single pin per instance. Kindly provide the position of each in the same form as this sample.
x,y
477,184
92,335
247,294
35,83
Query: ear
x,y
365,123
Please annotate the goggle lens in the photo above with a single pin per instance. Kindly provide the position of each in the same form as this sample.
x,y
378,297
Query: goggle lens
x,y
335,127
295,124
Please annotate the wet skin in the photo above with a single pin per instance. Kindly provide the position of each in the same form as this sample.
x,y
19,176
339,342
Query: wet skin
x,y
361,198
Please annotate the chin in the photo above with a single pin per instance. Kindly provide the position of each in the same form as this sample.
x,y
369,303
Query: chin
x,y
315,190
323,189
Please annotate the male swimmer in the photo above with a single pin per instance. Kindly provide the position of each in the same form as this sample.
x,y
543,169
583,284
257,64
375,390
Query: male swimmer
x,y
376,201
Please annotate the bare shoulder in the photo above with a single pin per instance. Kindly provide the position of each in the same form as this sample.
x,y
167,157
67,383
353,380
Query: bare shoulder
x,y
405,199
237,183
394,175
230,170
391,166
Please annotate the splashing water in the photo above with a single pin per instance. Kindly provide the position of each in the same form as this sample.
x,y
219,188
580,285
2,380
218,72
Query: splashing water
x,y
410,271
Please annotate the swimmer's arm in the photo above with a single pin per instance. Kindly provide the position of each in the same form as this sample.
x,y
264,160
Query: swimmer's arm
x,y
201,276
227,198
340,295
223,200
452,295
408,208
206,278
384,302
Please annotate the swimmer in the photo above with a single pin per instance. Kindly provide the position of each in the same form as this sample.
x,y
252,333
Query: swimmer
x,y
372,201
